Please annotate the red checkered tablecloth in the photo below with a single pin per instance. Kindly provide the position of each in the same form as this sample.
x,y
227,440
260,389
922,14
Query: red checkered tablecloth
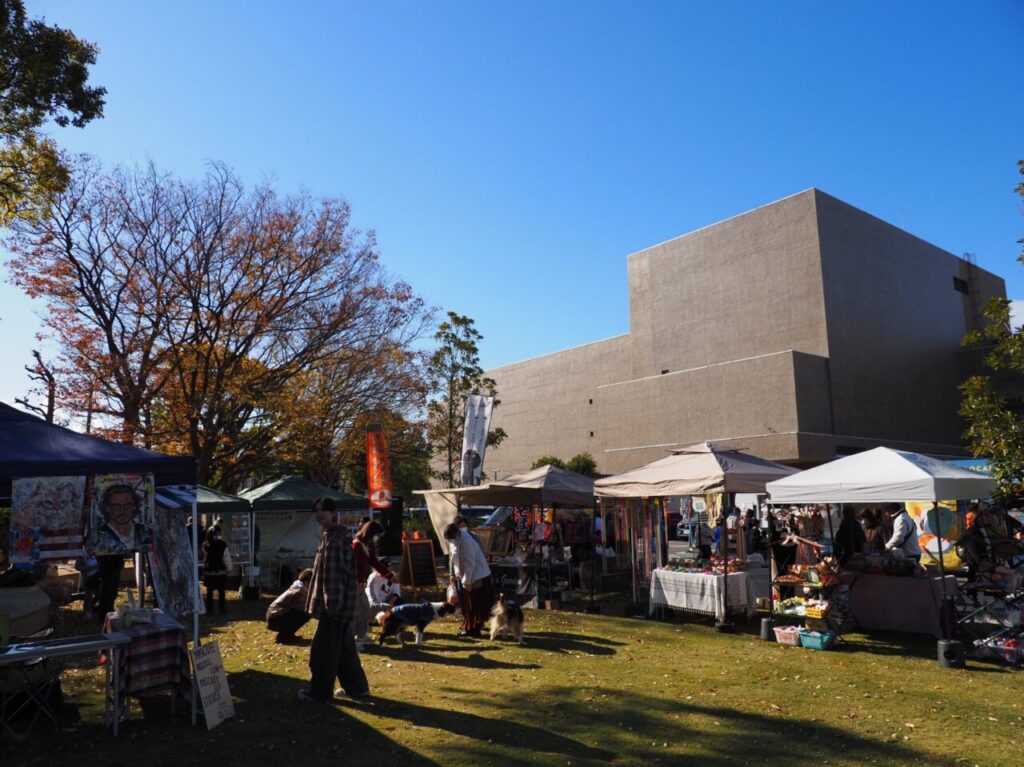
x,y
157,656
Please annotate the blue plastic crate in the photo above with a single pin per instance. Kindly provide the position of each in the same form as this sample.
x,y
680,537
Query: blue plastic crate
x,y
815,640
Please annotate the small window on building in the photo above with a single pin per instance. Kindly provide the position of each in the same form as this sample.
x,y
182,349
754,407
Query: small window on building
x,y
591,402
664,371
961,286
591,434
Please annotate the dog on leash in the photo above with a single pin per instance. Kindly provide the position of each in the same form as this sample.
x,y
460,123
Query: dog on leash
x,y
415,615
507,618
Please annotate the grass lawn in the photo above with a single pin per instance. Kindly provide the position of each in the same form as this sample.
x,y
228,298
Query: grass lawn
x,y
585,690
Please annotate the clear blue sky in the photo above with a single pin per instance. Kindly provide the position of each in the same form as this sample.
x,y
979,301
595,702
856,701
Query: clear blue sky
x,y
511,155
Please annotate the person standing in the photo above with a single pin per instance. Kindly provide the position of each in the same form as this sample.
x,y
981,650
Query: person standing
x,y
473,574
333,594
365,548
217,563
904,532
850,537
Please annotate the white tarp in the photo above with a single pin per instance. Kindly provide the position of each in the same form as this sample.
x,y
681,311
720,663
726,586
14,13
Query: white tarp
x,y
881,475
694,470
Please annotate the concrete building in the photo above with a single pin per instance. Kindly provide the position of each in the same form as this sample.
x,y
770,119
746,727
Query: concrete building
x,y
797,331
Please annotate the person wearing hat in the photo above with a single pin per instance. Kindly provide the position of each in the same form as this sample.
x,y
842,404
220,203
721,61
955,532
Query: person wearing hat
x,y
383,591
904,532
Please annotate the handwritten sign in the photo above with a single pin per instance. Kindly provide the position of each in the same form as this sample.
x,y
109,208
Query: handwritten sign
x,y
213,684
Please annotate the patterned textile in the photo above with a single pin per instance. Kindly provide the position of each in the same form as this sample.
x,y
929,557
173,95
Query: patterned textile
x,y
699,593
157,656
333,590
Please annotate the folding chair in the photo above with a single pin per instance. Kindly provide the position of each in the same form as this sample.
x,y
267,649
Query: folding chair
x,y
26,692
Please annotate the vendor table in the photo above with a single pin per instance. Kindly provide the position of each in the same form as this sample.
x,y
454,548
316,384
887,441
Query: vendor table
x,y
891,603
703,593
109,642
156,656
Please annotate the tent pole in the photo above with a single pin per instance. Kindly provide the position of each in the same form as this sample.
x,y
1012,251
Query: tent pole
x,y
195,597
946,612
727,502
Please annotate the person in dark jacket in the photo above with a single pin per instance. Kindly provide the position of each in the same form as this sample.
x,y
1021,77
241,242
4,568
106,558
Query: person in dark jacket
x,y
850,538
217,562
333,593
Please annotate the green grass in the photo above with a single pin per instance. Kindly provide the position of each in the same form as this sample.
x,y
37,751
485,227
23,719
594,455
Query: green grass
x,y
586,690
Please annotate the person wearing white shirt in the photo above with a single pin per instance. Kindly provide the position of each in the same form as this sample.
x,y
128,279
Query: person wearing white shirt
x,y
470,568
904,532
382,592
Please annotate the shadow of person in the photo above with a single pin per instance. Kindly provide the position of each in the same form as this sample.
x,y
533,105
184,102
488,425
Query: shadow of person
x,y
502,731
476,659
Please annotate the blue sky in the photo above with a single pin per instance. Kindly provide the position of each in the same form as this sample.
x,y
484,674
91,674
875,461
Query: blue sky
x,y
511,155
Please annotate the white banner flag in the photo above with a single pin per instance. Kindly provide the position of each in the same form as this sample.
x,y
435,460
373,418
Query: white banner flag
x,y
474,437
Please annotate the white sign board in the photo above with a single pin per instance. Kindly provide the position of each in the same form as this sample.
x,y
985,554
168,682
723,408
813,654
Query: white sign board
x,y
213,684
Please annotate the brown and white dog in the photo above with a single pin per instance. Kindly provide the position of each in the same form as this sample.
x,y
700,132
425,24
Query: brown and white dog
x,y
415,615
507,618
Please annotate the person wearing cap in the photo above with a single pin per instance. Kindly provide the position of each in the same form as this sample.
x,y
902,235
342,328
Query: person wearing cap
x,y
904,532
383,591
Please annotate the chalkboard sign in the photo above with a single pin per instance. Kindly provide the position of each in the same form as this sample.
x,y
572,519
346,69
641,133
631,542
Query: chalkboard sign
x,y
418,567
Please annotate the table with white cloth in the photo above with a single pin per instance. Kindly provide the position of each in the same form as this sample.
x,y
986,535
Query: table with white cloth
x,y
705,593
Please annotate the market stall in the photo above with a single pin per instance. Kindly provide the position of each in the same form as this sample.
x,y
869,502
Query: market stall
x,y
288,532
72,492
715,476
547,518
883,591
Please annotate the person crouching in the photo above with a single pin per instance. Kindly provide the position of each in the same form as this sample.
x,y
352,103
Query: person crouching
x,y
287,614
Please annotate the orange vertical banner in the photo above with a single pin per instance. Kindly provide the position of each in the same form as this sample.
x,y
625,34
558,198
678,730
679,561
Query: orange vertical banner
x,y
378,471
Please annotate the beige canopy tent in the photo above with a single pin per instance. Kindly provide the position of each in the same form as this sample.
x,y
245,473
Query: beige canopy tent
x,y
694,470
547,485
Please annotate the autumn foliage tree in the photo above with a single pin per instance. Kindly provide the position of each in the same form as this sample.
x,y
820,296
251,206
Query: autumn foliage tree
x,y
213,320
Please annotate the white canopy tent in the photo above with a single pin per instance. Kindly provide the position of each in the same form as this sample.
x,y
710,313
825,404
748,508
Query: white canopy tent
x,y
694,470
881,475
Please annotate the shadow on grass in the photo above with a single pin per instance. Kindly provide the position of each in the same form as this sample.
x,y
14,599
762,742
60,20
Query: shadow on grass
x,y
427,654
560,642
643,729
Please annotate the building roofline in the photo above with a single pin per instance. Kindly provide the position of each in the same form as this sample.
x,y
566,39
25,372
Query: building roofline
x,y
559,351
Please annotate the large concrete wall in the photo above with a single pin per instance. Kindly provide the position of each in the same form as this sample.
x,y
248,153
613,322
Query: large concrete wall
x,y
895,323
793,331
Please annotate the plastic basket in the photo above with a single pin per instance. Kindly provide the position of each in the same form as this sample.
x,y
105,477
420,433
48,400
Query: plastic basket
x,y
818,612
1007,654
787,635
815,640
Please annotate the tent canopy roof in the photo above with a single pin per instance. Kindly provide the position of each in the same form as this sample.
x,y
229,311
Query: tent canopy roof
x,y
882,475
297,494
547,484
31,447
694,470
208,500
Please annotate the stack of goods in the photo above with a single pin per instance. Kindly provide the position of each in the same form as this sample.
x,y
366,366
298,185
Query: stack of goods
x,y
735,565
688,564
1007,649
801,607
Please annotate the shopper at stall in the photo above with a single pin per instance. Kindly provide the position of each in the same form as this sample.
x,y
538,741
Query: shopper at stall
x,y
850,537
365,547
473,575
382,591
216,564
333,595
874,541
904,532
287,614
979,553
752,532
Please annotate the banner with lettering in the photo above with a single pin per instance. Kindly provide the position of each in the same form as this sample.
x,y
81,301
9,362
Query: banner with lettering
x,y
474,437
378,472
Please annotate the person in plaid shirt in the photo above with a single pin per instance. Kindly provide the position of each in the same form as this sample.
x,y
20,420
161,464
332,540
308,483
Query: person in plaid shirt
x,y
332,601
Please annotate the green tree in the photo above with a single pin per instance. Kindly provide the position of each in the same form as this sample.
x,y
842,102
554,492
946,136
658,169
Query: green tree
x,y
995,423
582,463
454,373
44,72
548,460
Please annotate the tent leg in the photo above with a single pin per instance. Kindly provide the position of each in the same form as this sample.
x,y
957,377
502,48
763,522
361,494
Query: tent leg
x,y
195,600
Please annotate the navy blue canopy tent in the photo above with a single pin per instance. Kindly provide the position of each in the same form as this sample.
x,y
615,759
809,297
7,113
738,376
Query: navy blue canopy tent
x,y
31,447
